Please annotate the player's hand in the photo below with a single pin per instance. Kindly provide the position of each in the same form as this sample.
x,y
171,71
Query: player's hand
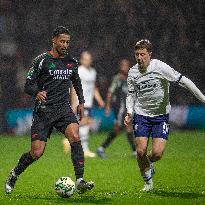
x,y
101,104
41,96
128,119
80,111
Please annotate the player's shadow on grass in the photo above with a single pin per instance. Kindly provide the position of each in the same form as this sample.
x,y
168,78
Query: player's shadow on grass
x,y
91,200
72,200
177,194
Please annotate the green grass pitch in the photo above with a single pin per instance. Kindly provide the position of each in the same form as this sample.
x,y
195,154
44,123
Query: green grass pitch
x,y
179,179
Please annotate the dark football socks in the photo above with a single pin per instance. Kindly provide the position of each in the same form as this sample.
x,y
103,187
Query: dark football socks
x,y
111,136
77,157
25,160
130,139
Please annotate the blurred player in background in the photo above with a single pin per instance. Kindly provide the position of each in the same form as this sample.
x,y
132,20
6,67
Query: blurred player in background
x,y
116,99
148,96
49,79
90,91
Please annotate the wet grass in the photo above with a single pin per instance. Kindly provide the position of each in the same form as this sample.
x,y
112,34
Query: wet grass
x,y
179,179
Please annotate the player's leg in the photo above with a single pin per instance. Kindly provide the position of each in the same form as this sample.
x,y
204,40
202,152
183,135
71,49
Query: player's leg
x,y
160,131
142,130
130,138
110,137
159,138
142,158
144,163
84,136
40,129
84,130
77,156
158,147
37,149
66,145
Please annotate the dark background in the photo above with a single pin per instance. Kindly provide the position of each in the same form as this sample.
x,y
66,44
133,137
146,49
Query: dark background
x,y
109,30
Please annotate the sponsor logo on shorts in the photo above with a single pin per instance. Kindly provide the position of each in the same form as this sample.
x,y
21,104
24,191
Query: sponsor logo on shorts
x,y
165,128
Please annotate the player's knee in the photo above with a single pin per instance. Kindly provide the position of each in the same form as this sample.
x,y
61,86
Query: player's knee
x,y
157,155
141,152
74,137
72,133
36,154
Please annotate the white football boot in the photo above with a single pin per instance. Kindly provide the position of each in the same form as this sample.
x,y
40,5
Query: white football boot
x,y
148,186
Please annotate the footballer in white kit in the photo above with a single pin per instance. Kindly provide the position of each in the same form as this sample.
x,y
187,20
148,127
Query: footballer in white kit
x,y
88,78
148,98
90,91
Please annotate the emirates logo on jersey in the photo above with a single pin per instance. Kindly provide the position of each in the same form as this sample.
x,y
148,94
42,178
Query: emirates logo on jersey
x,y
60,74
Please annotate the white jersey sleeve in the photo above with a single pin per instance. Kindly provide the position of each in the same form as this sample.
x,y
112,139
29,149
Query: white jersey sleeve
x,y
188,84
130,100
171,75
168,72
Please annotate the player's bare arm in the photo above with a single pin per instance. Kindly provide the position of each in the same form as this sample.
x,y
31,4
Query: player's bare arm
x,y
79,92
80,111
108,103
73,99
128,119
98,97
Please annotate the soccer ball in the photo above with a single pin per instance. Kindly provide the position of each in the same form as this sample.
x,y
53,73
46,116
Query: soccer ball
x,y
65,187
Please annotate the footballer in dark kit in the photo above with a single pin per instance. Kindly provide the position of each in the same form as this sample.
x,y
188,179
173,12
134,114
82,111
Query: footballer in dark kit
x,y
49,81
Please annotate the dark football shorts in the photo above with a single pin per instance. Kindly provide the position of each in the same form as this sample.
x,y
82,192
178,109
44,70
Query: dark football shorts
x,y
44,122
156,127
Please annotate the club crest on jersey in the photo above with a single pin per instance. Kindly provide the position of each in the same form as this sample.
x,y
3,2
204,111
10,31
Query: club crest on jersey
x,y
51,66
60,74
69,65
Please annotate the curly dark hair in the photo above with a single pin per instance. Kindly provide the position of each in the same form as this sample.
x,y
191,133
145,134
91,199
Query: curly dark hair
x,y
60,30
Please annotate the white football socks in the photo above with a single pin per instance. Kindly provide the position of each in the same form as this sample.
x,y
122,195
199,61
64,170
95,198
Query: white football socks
x,y
147,176
84,136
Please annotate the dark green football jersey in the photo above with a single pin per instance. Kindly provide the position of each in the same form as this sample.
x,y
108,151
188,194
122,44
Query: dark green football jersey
x,y
55,76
